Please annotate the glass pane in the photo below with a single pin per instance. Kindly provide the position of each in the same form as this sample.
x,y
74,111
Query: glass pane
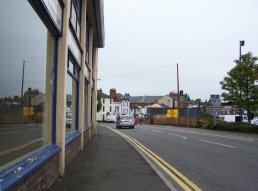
x,y
71,67
86,105
73,17
71,111
26,55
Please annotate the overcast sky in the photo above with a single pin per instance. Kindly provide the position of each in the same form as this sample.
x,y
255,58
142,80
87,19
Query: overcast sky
x,y
146,38
23,37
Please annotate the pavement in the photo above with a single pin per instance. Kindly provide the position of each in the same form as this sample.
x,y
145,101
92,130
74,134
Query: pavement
x,y
109,163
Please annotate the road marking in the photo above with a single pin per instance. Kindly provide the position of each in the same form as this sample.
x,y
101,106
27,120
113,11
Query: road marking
x,y
11,132
217,143
32,129
162,176
156,131
174,174
21,147
178,136
216,135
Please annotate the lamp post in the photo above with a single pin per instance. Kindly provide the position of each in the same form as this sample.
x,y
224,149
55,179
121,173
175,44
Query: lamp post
x,y
241,43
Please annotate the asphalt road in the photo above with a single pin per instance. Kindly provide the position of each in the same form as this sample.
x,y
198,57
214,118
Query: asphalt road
x,y
219,161
17,140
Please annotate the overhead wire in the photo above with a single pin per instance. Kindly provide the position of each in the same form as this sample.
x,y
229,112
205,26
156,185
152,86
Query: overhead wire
x,y
138,72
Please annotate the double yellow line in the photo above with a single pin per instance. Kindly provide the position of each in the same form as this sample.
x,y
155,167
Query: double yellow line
x,y
178,177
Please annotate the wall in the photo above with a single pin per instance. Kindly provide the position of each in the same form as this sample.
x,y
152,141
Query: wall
x,y
42,178
39,168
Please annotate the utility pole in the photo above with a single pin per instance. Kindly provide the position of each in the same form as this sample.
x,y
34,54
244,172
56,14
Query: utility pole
x,y
23,68
178,97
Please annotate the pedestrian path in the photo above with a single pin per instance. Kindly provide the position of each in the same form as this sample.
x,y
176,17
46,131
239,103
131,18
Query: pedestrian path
x,y
109,163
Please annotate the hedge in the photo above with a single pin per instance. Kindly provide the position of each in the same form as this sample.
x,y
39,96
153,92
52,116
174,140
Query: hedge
x,y
226,126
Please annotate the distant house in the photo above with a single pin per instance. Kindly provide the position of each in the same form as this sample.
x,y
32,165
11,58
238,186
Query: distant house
x,y
169,101
139,104
107,106
157,108
174,98
121,103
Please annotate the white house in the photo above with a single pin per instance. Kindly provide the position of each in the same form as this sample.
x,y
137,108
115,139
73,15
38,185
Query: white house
x,y
121,104
107,107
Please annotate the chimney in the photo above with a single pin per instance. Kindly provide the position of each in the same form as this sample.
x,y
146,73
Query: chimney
x,y
173,94
181,92
100,90
112,93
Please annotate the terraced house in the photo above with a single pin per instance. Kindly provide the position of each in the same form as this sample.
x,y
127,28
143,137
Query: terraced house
x,y
48,83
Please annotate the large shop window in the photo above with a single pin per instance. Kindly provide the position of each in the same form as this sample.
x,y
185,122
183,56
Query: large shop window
x,y
26,60
72,84
75,17
87,41
86,97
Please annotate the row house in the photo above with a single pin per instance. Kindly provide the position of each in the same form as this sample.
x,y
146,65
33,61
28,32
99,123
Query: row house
x,y
121,103
140,104
106,108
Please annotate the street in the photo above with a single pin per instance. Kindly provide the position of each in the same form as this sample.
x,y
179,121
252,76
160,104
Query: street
x,y
17,140
210,159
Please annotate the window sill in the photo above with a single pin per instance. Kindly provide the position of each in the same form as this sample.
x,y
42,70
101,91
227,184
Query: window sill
x,y
71,136
13,175
85,129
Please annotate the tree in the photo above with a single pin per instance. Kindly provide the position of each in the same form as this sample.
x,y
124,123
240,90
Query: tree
x,y
99,104
239,83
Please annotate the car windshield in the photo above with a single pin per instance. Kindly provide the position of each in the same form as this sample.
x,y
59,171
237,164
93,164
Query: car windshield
x,y
126,117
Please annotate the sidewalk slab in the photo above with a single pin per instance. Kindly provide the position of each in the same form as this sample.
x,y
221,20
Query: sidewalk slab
x,y
109,163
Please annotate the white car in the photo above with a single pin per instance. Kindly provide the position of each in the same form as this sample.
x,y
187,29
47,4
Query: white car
x,y
254,121
68,121
111,118
125,121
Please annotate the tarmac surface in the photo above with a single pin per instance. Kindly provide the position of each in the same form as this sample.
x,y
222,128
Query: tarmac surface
x,y
109,163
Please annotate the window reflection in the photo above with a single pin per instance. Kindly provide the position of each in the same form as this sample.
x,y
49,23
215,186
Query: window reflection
x,y
26,55
71,94
86,96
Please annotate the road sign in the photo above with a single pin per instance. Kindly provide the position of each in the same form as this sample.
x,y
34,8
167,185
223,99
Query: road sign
x,y
215,102
172,113
28,111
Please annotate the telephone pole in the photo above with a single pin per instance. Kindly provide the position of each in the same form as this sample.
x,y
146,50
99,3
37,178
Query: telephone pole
x,y
23,67
178,97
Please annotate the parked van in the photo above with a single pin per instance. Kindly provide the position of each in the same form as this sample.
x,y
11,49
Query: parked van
x,y
232,118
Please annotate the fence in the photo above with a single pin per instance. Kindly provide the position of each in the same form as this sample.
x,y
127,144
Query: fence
x,y
184,121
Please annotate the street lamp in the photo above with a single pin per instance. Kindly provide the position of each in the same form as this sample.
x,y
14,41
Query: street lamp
x,y
241,43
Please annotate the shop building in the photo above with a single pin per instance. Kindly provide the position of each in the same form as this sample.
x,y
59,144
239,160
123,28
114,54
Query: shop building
x,y
48,87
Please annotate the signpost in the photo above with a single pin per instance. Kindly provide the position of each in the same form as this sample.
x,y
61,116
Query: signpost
x,y
215,103
28,111
172,113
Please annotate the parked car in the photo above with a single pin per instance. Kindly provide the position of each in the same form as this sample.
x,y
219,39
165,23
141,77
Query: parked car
x,y
254,121
125,121
111,118
68,121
